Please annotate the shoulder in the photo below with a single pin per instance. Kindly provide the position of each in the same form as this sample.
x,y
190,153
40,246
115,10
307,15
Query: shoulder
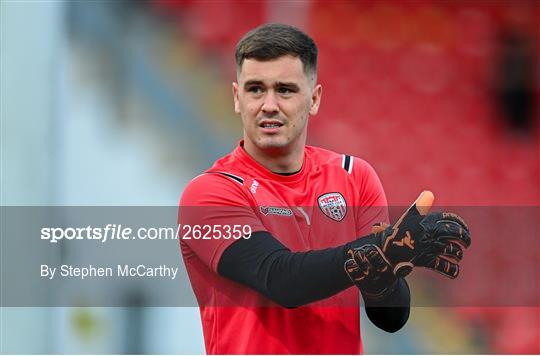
x,y
367,181
214,188
347,163
221,184
353,170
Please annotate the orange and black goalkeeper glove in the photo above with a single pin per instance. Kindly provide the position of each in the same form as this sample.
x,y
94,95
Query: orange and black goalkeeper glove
x,y
370,271
421,239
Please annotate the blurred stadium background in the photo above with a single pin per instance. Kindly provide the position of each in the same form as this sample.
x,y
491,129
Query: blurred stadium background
x,y
122,103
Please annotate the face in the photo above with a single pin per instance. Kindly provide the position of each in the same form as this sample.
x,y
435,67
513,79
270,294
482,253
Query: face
x,y
274,99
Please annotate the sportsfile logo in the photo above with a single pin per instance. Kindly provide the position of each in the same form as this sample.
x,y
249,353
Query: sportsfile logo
x,y
272,210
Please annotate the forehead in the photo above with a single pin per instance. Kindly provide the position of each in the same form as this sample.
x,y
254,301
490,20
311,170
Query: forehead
x,y
283,69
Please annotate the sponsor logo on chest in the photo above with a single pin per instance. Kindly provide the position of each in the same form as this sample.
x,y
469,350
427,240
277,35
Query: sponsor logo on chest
x,y
272,210
333,205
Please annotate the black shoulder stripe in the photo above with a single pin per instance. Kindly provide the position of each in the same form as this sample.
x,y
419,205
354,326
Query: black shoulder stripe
x,y
231,176
346,162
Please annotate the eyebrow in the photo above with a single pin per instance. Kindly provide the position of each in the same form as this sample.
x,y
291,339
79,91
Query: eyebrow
x,y
253,82
293,86
278,84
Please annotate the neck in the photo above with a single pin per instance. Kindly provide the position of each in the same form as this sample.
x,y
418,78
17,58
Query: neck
x,y
277,160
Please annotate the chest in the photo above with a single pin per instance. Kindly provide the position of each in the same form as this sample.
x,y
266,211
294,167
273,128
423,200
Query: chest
x,y
315,213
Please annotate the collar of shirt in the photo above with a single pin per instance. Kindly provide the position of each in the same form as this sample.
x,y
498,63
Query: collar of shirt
x,y
258,170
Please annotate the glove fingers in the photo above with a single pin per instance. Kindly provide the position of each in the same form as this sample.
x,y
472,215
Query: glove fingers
x,y
379,227
456,218
367,263
420,207
443,216
452,230
376,259
444,267
453,252
424,202
354,271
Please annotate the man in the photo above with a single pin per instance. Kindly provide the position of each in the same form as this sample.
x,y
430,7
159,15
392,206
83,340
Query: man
x,y
287,286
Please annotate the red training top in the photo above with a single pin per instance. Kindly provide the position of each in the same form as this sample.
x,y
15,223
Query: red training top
x,y
332,200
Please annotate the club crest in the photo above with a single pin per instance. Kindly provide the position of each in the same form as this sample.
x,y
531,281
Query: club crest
x,y
333,205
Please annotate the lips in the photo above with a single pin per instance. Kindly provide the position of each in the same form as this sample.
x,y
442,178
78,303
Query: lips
x,y
270,124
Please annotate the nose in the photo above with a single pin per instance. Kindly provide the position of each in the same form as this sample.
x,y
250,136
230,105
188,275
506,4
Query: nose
x,y
270,105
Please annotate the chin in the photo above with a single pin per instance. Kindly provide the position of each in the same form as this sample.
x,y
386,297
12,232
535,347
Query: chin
x,y
272,143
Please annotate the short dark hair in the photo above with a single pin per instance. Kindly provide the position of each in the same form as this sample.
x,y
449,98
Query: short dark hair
x,y
273,40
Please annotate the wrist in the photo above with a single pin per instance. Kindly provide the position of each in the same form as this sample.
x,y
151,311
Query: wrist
x,y
375,290
396,294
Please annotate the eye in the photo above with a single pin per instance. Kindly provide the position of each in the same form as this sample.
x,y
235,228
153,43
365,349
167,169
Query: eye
x,y
255,89
284,90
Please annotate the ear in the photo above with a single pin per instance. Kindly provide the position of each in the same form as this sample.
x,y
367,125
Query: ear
x,y
235,97
315,99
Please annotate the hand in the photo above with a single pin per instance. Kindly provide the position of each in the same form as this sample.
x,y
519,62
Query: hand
x,y
435,240
370,271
